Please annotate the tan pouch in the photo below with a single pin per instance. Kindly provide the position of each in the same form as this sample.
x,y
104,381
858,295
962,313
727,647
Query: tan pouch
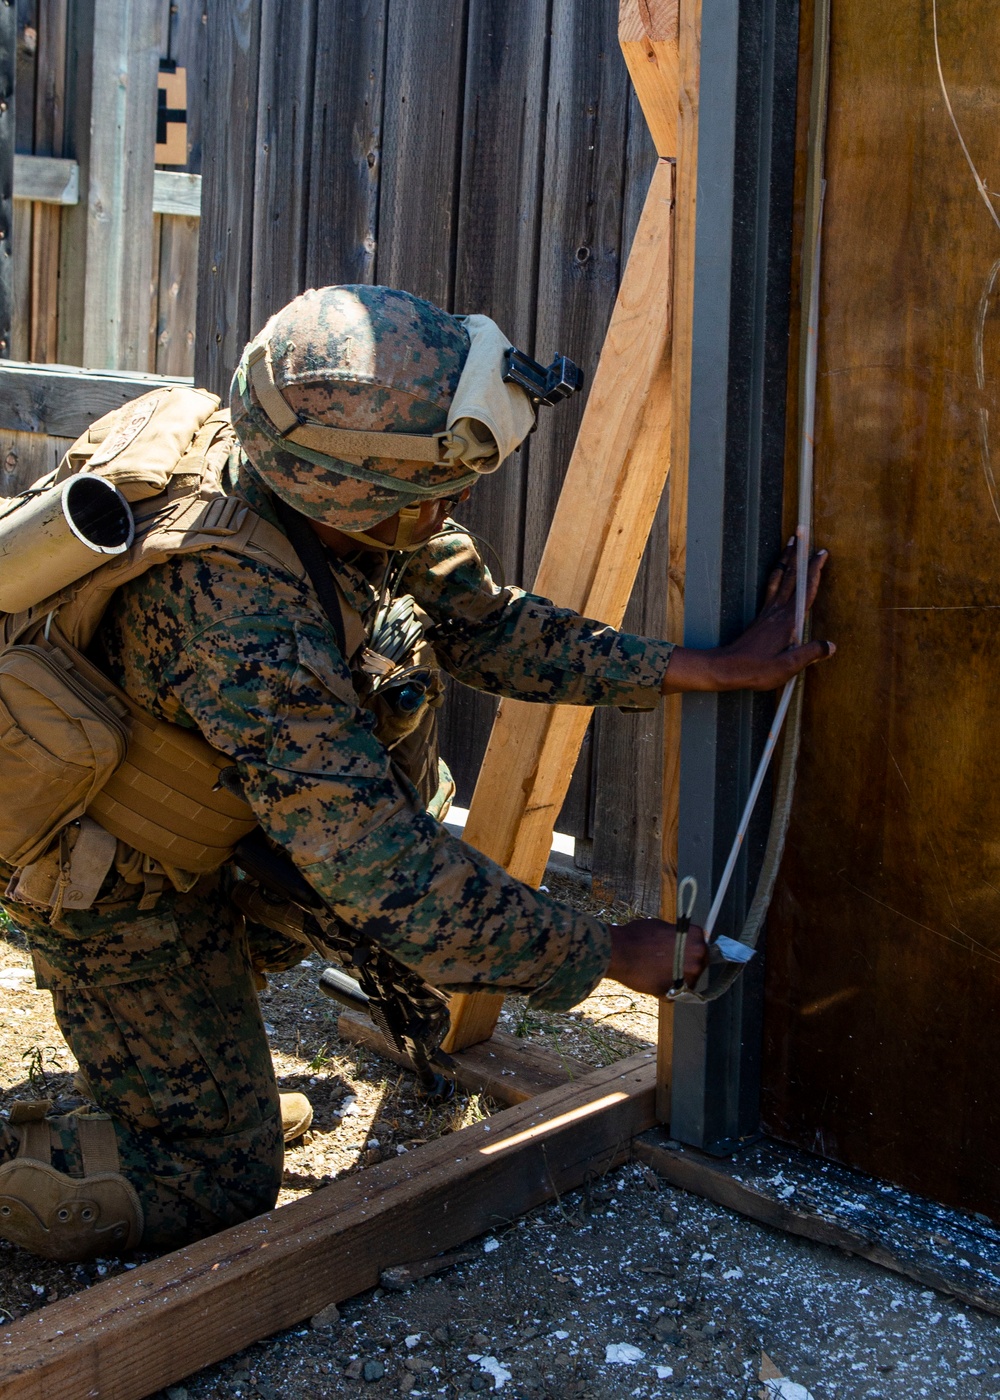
x,y
70,874
60,742
137,448
167,799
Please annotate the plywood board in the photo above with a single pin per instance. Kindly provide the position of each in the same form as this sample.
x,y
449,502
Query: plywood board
x,y
883,1044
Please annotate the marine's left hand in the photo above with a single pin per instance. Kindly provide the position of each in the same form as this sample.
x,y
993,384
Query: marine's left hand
x,y
763,658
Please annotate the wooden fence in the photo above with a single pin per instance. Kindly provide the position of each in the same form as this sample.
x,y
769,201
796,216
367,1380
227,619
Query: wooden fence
x,y
489,156
105,249
493,158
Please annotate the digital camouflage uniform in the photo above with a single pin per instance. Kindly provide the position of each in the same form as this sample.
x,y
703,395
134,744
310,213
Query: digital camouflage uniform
x,y
159,1006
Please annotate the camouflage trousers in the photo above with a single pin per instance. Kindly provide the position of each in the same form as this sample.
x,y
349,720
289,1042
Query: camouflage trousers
x,y
161,1011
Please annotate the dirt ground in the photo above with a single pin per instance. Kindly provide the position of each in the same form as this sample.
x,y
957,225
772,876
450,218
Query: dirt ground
x,y
629,1289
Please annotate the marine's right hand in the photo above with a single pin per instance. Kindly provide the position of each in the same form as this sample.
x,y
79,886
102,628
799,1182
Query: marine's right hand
x,y
642,955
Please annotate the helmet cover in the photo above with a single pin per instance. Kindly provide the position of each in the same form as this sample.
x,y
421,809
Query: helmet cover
x,y
363,358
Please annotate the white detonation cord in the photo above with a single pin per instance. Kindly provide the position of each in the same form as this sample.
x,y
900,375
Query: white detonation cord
x,y
803,533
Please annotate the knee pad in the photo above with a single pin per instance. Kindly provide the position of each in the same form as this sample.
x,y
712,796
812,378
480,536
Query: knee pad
x,y
62,1217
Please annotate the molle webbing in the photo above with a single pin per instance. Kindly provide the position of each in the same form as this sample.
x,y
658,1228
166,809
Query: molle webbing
x,y
166,799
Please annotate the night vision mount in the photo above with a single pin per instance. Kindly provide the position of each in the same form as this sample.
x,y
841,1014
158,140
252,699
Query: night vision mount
x,y
542,385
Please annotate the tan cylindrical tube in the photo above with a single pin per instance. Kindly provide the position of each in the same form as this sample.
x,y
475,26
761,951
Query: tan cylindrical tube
x,y
52,539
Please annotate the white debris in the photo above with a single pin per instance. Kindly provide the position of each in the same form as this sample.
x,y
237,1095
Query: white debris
x,y
489,1245
348,1106
786,1390
732,1274
373,1142
560,1336
268,1028
492,1367
664,1373
622,1354
412,1340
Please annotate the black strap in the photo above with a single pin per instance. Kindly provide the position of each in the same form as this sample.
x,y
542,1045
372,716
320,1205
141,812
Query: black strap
x,y
309,548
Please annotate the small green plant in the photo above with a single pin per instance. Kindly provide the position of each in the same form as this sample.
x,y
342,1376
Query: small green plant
x,y
35,1069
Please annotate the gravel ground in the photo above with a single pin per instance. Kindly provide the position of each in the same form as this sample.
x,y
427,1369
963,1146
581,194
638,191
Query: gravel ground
x,y
629,1289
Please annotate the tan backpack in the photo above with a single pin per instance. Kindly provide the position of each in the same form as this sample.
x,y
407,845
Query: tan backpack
x,y
82,766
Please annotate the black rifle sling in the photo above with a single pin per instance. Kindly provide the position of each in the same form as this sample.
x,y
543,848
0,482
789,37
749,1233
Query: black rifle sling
x,y
309,548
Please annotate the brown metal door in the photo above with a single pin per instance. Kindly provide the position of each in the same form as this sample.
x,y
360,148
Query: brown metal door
x,y
883,1013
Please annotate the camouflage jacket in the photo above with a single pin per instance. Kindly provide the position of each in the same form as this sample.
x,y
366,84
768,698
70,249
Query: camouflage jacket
x,y
247,656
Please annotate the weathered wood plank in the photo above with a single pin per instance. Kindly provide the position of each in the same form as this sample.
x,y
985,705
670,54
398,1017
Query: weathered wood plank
x,y
120,187
50,86
74,219
178,193
927,1243
284,122
189,20
24,457
26,72
346,152
225,249
50,120
8,68
499,209
609,500
62,400
507,1069
628,760
581,262
20,331
628,748
46,179
160,1322
580,266
420,154
177,296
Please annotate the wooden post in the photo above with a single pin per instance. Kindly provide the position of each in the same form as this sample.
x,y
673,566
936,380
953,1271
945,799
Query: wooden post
x,y
640,54
8,65
612,488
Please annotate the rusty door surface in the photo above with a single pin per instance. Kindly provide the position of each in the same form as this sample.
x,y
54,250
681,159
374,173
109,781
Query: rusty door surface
x,y
883,1002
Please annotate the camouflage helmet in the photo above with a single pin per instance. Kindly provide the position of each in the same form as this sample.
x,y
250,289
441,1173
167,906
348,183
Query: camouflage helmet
x,y
324,390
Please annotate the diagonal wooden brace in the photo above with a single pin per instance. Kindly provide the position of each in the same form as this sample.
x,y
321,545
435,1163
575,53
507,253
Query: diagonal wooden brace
x,y
612,488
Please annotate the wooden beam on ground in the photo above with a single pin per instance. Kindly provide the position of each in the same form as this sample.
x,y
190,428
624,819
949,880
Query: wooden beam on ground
x,y
611,491
929,1244
506,1068
63,401
158,1323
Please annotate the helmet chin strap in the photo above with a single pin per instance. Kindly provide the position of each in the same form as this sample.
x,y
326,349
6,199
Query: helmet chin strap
x,y
407,522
